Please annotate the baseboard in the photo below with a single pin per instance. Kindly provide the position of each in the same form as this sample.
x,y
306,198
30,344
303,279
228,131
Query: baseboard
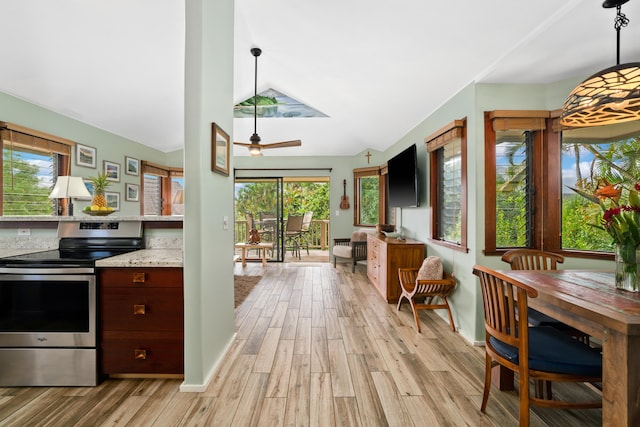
x,y
200,388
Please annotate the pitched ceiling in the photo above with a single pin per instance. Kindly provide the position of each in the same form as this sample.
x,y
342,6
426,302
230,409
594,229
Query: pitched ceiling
x,y
374,68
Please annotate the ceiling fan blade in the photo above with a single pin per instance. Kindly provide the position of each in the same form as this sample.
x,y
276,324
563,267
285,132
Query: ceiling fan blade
x,y
294,143
244,144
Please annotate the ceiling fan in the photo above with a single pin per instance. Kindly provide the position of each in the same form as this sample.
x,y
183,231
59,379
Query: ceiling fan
x,y
255,148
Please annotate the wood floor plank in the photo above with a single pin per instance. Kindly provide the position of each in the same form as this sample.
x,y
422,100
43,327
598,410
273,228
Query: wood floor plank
x,y
250,404
399,365
332,324
319,350
279,314
346,411
369,405
321,410
394,410
303,336
297,409
264,361
272,413
341,382
290,324
278,383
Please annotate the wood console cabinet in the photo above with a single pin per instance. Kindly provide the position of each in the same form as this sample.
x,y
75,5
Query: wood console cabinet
x,y
141,320
385,256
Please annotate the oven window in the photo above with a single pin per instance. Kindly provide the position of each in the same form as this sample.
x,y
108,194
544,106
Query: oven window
x,y
44,306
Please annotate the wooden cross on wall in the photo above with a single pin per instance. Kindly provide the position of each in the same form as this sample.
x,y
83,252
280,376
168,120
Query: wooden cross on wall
x,y
368,156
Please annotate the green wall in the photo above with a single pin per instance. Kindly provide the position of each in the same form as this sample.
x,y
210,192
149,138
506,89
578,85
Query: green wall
x,y
108,146
471,102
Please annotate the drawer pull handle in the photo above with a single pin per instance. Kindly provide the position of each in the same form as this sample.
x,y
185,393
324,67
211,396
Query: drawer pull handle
x,y
139,354
138,277
139,309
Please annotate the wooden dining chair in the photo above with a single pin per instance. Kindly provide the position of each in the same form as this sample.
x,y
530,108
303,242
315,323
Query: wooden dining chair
x,y
420,293
540,354
533,259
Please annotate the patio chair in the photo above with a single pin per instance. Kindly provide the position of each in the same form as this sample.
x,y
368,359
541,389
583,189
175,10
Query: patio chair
x,y
292,233
352,249
540,353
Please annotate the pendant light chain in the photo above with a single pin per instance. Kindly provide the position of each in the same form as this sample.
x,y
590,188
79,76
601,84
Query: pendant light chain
x,y
620,21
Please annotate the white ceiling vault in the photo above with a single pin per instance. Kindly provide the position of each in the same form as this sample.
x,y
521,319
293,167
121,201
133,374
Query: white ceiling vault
x,y
376,69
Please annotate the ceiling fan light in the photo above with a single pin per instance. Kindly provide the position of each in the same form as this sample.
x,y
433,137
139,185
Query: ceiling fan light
x,y
255,151
610,96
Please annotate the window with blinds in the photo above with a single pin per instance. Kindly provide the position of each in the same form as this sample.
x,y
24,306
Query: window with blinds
x,y
448,185
28,178
514,189
162,189
450,192
31,162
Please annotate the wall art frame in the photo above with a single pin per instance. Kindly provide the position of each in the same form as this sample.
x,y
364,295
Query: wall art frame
x,y
131,192
112,170
86,156
220,150
113,199
131,166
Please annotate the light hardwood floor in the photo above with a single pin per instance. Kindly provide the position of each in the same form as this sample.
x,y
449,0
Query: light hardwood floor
x,y
315,346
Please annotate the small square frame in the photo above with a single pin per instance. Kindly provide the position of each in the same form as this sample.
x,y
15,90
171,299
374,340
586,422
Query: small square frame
x,y
112,170
86,156
131,192
220,150
131,166
113,200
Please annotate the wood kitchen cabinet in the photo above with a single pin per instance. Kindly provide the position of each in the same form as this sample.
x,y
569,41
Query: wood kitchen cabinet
x,y
385,256
141,320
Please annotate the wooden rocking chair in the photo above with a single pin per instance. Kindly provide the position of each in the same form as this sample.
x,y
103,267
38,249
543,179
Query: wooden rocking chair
x,y
420,293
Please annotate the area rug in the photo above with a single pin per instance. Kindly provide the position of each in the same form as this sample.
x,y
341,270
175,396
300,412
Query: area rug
x,y
243,285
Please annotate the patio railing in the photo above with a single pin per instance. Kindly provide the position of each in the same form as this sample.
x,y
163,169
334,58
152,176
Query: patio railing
x,y
318,234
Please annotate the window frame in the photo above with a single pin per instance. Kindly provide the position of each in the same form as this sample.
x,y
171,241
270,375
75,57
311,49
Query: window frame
x,y
381,173
31,139
166,173
547,173
452,132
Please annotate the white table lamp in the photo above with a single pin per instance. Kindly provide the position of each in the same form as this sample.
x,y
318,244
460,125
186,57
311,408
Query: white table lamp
x,y
67,187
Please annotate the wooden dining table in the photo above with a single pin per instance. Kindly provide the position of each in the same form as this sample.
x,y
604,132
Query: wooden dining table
x,y
590,302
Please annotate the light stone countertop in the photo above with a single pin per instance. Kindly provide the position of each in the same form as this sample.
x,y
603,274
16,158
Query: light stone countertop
x,y
5,252
145,258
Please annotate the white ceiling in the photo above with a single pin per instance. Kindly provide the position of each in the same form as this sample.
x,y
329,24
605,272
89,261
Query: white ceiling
x,y
376,69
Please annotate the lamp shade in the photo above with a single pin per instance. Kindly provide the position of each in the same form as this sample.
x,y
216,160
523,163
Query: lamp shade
x,y
69,186
610,96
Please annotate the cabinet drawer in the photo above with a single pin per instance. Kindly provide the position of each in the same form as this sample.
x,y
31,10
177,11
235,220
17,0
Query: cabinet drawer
x,y
140,277
158,309
142,357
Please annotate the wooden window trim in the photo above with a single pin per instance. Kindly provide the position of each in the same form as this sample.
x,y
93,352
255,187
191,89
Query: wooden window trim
x,y
166,173
457,129
381,173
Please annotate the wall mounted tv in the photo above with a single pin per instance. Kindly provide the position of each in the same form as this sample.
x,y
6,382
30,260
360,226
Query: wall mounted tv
x,y
403,179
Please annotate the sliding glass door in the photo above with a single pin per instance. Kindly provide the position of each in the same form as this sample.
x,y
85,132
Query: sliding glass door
x,y
259,206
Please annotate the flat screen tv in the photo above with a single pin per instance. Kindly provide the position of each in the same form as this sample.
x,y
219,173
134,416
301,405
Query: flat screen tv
x,y
403,179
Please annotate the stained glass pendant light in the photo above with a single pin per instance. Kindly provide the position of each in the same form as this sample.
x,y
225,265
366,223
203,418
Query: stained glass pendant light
x,y
609,96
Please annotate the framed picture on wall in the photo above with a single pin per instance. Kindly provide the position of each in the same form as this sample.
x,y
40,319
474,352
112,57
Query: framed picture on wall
x,y
113,200
86,156
220,150
131,192
112,170
132,166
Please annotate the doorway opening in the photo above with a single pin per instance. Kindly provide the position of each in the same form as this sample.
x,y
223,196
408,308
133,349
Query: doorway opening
x,y
290,212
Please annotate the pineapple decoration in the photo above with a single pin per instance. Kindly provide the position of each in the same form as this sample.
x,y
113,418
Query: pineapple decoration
x,y
99,202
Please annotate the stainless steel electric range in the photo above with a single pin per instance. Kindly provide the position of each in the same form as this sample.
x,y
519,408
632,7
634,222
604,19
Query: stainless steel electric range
x,y
48,305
